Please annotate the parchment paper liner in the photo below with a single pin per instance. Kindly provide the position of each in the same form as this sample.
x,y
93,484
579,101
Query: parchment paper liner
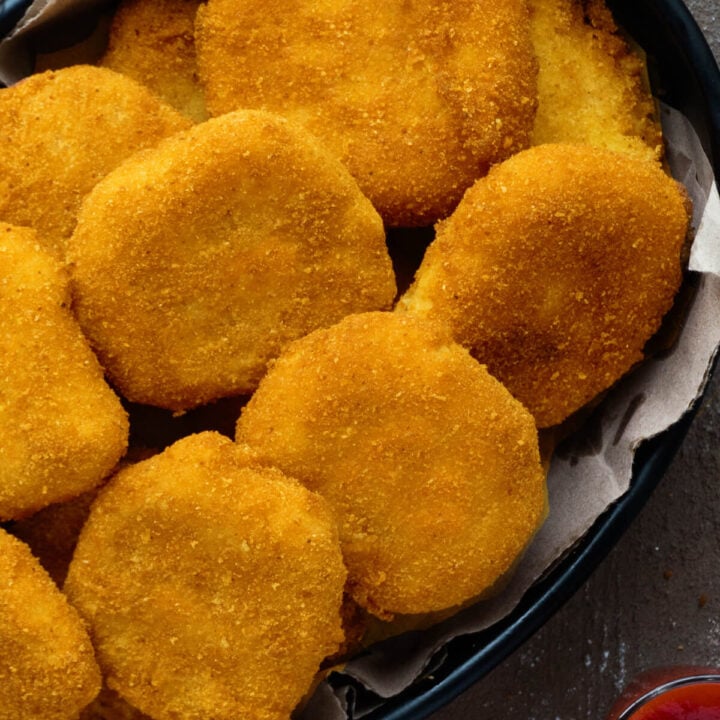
x,y
595,466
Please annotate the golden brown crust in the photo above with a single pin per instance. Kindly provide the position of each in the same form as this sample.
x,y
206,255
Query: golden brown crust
x,y
417,99
211,589
431,466
152,41
591,86
47,666
62,429
555,270
225,243
61,132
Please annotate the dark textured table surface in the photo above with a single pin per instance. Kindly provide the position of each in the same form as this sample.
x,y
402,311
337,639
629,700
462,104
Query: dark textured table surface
x,y
654,601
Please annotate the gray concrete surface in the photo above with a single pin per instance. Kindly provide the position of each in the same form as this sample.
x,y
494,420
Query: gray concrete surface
x,y
654,601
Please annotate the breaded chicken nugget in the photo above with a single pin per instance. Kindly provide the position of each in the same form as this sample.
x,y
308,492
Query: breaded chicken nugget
x,y
47,667
591,86
61,131
212,589
430,465
417,99
152,41
556,269
195,263
62,429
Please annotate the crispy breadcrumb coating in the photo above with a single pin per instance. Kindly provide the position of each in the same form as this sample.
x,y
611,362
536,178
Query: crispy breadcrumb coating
x,y
152,41
417,99
591,85
61,132
62,429
197,262
430,465
556,269
47,667
211,588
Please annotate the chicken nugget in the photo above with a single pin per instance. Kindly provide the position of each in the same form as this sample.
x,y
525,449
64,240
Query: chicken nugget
x,y
417,99
61,131
431,467
47,667
197,262
62,429
211,588
591,85
152,41
556,269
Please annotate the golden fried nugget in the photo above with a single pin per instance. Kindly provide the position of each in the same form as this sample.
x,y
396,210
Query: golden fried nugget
x,y
417,99
556,269
61,131
197,262
430,465
47,667
62,429
591,86
212,589
152,41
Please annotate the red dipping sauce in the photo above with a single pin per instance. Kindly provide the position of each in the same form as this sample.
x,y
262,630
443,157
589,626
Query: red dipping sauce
x,y
674,694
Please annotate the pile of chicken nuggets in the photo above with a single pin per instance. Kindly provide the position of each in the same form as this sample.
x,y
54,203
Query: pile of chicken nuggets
x,y
231,433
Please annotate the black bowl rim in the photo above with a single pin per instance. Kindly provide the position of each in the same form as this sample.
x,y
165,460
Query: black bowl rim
x,y
10,12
